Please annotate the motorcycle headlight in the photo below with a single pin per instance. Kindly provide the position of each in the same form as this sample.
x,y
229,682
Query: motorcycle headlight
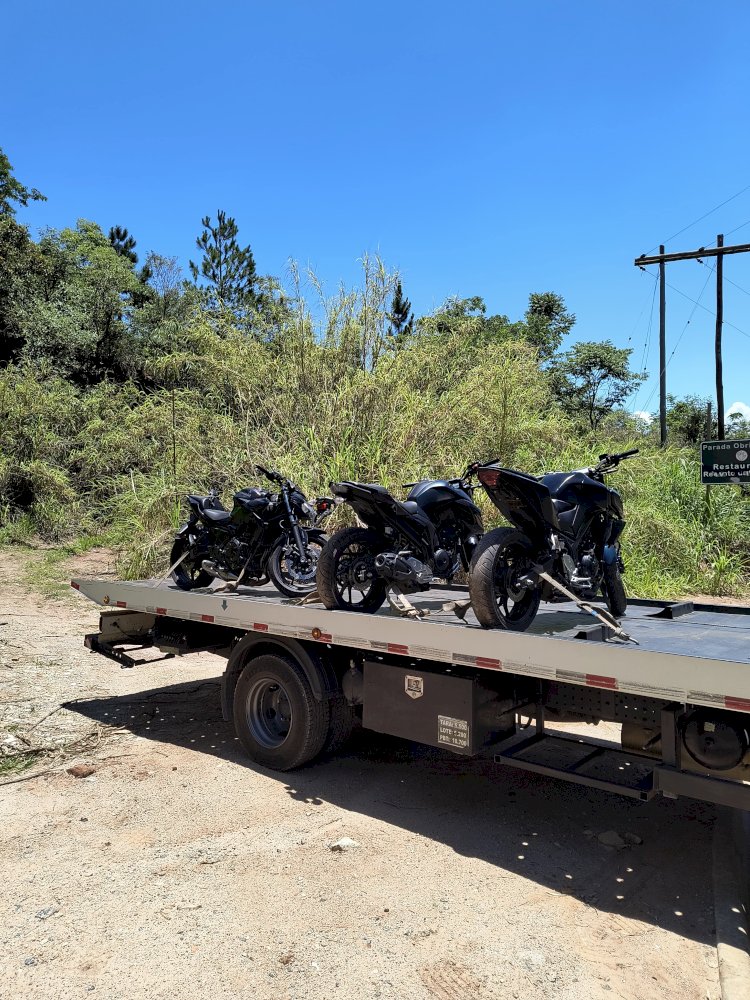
x,y
308,510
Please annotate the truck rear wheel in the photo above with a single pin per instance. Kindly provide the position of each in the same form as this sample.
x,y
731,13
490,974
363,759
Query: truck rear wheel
x,y
277,718
341,725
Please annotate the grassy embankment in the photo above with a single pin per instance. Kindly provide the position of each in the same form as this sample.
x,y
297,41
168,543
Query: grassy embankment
x,y
108,465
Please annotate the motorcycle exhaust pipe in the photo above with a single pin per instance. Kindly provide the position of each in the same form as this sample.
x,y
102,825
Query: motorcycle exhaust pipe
x,y
218,571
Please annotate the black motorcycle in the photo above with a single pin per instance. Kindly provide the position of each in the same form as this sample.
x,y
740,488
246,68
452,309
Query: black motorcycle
x,y
565,543
262,537
433,533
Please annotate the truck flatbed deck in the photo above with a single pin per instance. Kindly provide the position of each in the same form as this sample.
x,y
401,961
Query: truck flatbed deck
x,y
690,658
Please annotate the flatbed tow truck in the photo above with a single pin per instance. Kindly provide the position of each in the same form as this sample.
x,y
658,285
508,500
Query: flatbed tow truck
x,y
298,676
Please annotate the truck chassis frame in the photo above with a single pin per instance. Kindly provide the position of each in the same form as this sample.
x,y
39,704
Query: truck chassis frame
x,y
454,685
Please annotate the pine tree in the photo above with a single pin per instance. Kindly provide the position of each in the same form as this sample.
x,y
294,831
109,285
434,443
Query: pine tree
x,y
401,317
227,268
123,243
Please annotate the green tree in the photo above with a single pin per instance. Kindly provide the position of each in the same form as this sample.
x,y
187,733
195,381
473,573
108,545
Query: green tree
x,y
17,263
468,318
686,419
400,316
12,190
738,424
593,378
547,321
227,269
77,311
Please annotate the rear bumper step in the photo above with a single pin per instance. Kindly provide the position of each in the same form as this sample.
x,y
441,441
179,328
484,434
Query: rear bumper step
x,y
613,770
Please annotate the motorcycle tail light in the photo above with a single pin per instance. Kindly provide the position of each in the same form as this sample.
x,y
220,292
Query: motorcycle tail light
x,y
488,477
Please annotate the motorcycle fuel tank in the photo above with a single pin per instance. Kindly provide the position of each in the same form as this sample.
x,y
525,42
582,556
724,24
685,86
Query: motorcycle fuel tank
x,y
437,497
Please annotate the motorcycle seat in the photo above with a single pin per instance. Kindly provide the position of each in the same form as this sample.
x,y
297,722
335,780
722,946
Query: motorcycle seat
x,y
408,506
217,516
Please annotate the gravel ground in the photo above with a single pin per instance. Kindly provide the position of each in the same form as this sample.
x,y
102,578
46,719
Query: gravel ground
x,y
175,868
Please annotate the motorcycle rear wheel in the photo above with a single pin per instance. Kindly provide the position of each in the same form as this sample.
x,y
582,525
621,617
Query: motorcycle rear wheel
x,y
502,556
347,579
189,575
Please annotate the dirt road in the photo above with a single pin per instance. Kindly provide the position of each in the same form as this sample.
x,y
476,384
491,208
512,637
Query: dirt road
x,y
176,869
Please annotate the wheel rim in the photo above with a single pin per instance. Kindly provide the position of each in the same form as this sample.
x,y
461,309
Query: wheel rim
x,y
191,566
513,600
296,576
268,712
355,574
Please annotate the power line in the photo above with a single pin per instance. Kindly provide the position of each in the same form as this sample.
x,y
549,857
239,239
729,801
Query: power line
x,y
647,341
696,304
713,270
705,308
736,228
695,223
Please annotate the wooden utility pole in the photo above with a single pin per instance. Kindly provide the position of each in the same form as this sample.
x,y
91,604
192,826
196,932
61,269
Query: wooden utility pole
x,y
662,350
719,251
719,322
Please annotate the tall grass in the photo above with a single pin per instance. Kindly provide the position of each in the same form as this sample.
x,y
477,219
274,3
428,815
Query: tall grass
x,y
331,403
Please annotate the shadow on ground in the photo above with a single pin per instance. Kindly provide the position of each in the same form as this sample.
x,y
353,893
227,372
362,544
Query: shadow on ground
x,y
540,828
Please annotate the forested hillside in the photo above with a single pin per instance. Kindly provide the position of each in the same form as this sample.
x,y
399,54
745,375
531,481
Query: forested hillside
x,y
125,383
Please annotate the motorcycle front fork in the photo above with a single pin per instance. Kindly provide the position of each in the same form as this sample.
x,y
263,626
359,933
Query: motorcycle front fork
x,y
300,542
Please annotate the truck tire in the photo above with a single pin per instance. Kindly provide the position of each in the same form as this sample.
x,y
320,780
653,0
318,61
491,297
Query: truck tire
x,y
341,725
277,718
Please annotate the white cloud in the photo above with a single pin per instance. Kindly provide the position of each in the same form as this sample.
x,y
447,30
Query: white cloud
x,y
647,418
741,408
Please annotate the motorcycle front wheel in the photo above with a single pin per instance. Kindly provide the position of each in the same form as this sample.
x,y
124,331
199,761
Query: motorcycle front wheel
x,y
189,575
287,573
347,578
614,590
502,558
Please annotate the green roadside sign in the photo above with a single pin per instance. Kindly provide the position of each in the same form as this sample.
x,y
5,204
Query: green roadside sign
x,y
725,462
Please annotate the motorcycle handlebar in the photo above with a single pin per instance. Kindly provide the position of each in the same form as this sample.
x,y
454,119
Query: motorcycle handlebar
x,y
607,462
275,477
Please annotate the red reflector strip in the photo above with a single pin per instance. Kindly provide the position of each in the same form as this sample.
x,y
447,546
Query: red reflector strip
x,y
594,680
260,627
739,704
207,618
486,661
121,604
74,585
161,611
395,647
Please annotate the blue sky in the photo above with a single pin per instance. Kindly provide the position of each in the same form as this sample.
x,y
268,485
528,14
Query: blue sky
x,y
489,148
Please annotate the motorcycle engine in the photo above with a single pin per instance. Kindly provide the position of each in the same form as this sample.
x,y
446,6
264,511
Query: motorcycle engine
x,y
231,556
583,576
402,568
